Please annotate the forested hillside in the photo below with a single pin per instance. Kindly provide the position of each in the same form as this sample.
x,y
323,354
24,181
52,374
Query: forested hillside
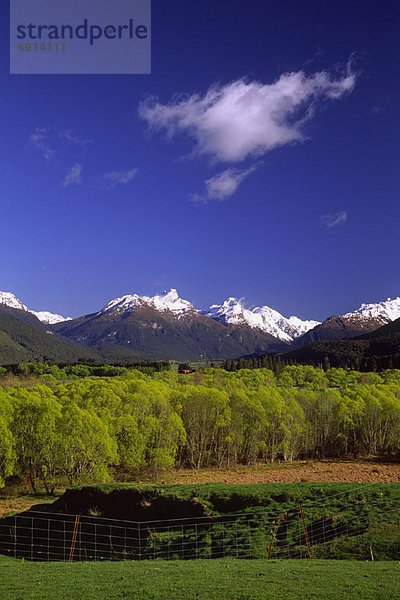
x,y
24,338
73,426
376,350
21,341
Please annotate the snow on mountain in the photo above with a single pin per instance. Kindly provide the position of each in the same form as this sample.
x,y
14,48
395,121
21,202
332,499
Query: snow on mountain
x,y
262,317
231,311
165,301
386,311
8,299
49,318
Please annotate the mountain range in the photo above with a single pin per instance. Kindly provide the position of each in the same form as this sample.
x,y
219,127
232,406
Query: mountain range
x,y
372,351
166,326
8,299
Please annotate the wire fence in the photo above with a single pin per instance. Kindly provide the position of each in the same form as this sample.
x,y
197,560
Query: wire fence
x,y
295,533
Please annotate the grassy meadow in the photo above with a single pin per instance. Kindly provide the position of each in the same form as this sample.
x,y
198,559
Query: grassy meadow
x,y
200,580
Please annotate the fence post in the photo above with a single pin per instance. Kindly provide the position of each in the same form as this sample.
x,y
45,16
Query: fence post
x,y
32,534
65,542
182,544
310,554
269,550
15,536
48,540
76,527
237,541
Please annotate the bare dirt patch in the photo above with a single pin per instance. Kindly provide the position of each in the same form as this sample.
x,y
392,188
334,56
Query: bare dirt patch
x,y
352,471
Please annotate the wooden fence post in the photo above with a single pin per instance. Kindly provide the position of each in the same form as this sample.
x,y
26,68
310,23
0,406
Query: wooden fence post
x,y
269,550
72,549
310,554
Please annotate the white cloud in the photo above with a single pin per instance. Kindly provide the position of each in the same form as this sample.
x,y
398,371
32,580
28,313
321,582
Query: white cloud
x,y
113,178
70,136
247,118
47,139
334,220
222,185
38,140
74,176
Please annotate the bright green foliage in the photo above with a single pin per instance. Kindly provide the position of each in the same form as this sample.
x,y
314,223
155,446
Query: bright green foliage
x,y
34,425
7,443
249,424
206,416
300,376
86,449
55,424
148,430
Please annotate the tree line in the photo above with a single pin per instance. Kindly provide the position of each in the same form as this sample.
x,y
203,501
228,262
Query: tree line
x,y
90,428
343,354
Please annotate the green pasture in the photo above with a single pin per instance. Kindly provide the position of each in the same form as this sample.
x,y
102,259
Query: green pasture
x,y
200,580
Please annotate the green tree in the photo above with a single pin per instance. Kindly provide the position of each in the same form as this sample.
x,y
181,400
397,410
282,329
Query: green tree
x,y
205,415
87,449
34,424
7,442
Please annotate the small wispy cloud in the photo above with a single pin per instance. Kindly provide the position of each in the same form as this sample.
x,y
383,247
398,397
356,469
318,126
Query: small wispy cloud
x,y
246,118
114,178
73,176
69,136
222,185
48,140
39,140
334,220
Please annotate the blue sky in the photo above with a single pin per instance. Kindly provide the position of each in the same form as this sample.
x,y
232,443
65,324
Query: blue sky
x,y
258,160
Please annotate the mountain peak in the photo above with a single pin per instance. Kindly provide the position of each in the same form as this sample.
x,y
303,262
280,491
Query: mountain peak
x,y
267,319
385,311
10,300
168,300
173,293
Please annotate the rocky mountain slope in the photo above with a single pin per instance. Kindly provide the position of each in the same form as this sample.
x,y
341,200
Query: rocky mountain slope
x,y
368,317
166,326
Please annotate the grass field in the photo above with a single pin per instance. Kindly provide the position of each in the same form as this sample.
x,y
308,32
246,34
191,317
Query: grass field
x,y
200,580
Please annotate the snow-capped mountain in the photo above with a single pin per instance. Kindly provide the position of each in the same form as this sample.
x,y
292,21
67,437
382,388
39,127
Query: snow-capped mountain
x,y
271,321
366,318
165,301
168,327
49,318
8,299
386,311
